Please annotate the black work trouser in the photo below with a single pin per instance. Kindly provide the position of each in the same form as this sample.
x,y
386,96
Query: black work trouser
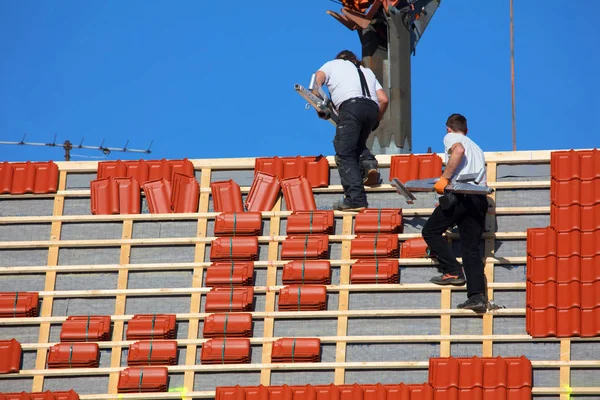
x,y
469,215
357,118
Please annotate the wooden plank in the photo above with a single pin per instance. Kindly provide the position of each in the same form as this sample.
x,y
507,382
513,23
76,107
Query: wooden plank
x,y
445,327
269,323
360,365
49,284
195,240
509,338
122,280
425,312
380,287
489,251
405,262
343,301
196,298
565,371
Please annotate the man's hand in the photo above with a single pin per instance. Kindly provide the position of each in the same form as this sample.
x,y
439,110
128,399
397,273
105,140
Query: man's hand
x,y
441,184
323,115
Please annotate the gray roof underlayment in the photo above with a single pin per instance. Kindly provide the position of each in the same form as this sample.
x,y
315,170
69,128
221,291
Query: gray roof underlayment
x,y
362,326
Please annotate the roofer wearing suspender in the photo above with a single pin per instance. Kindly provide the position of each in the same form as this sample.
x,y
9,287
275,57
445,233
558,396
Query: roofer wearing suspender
x,y
361,102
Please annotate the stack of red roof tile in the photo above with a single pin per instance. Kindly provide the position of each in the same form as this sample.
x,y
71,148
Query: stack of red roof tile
x,y
475,377
85,329
411,167
381,220
307,271
563,280
28,177
19,304
310,222
315,169
47,395
375,246
115,196
296,350
375,271
302,298
74,355
227,325
234,248
226,196
10,356
152,352
238,224
305,247
143,380
232,299
151,326
232,273
226,351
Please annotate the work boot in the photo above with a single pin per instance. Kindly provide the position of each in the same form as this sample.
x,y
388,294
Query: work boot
x,y
476,303
372,178
341,205
448,279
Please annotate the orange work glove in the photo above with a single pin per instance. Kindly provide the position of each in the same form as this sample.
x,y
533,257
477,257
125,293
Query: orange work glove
x,y
441,184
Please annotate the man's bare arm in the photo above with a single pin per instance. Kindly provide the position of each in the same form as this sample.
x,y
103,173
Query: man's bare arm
x,y
456,152
384,101
320,80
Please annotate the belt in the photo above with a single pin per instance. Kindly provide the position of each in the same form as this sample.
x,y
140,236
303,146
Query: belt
x,y
364,100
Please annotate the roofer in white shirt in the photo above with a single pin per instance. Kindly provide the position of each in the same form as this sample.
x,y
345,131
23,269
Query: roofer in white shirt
x,y
361,102
468,213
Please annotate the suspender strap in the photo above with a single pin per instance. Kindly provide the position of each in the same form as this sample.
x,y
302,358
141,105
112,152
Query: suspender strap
x,y
363,82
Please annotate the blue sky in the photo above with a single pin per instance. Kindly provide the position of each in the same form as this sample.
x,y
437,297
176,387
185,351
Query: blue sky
x,y
203,79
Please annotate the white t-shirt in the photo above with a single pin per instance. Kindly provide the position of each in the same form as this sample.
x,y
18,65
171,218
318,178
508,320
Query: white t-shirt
x,y
473,159
343,81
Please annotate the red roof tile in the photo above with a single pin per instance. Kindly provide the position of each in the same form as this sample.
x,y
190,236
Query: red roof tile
x,y
151,326
296,350
6,177
308,222
375,245
152,352
575,191
225,351
137,170
375,271
293,166
234,248
186,194
104,196
116,169
28,177
553,322
317,171
74,355
70,395
590,269
233,393
182,167
552,294
382,220
227,325
226,196
305,247
575,217
92,328
46,177
23,178
307,271
298,194
143,380
236,224
543,242
269,165
571,164
263,192
237,299
562,270
158,196
302,298
590,322
415,248
10,356
129,195
19,304
239,273
159,169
